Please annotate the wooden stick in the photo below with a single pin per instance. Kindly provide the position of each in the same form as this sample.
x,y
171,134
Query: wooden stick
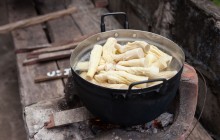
x,y
35,20
71,44
48,57
28,49
67,117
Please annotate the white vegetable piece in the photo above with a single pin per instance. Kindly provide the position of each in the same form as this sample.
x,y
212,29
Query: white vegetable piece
x,y
154,50
95,57
82,66
116,79
150,58
160,63
139,70
133,63
132,54
109,50
102,61
115,86
106,67
130,77
164,74
84,76
131,46
101,77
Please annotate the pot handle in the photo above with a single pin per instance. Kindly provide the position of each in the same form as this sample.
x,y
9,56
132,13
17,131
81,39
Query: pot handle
x,y
159,89
114,13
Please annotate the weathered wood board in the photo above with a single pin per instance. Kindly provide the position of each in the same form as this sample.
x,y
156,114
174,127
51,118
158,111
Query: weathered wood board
x,y
30,92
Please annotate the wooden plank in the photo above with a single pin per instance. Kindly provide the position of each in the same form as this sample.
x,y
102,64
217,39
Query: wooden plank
x,y
90,21
100,3
62,29
82,5
31,36
68,116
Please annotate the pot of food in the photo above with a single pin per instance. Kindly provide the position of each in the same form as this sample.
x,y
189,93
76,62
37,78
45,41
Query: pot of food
x,y
126,77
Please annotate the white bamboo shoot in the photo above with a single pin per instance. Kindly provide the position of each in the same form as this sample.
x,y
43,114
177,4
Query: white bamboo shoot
x,y
130,77
84,76
115,86
82,66
153,49
131,46
163,74
150,58
95,57
160,63
109,50
132,54
133,63
138,70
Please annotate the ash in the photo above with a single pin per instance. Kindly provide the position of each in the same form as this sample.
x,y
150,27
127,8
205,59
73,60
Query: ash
x,y
161,123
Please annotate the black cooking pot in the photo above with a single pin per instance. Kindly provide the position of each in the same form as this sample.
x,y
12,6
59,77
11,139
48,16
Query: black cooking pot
x,y
131,106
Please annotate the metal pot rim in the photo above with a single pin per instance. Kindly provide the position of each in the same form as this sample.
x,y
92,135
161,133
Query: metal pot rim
x,y
133,34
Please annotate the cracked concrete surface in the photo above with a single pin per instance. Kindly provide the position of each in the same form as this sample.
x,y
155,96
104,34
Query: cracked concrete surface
x,y
11,121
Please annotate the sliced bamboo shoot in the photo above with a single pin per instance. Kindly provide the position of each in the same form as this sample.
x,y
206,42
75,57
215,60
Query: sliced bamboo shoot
x,y
138,70
131,77
109,50
84,76
94,60
153,49
101,77
160,63
163,74
131,46
102,61
132,54
133,63
82,66
109,67
116,79
101,67
115,86
106,67
150,58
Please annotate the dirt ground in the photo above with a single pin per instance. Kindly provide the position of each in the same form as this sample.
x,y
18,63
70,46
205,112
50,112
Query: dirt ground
x,y
11,121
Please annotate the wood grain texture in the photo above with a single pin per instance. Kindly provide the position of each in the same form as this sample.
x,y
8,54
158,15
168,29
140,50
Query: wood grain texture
x,y
31,36
89,22
46,57
69,116
35,20
63,29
